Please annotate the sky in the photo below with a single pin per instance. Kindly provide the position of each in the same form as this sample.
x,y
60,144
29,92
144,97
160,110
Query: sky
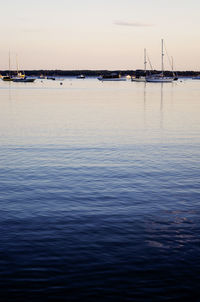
x,y
99,34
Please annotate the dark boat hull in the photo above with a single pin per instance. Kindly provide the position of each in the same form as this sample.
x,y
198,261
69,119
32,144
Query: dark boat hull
x,y
7,79
23,80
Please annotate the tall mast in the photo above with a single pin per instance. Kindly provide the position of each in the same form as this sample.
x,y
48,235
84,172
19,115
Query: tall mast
x,y
145,60
162,56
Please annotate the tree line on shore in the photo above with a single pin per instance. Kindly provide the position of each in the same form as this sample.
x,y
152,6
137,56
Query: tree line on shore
x,y
95,73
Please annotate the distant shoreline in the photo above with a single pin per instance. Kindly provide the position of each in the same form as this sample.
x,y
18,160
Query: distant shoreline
x,y
93,73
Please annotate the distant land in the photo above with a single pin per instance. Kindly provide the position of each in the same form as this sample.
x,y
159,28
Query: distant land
x,y
93,73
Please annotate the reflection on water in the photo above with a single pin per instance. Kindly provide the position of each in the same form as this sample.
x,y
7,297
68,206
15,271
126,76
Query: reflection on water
x,y
99,191
161,106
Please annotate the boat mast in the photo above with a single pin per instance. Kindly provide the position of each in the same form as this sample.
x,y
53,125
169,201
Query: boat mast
x,y
145,60
162,57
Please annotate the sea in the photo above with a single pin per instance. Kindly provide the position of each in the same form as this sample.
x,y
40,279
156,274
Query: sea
x,y
99,191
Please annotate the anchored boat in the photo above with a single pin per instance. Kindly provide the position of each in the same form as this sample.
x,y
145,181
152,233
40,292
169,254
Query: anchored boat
x,y
160,78
111,77
23,80
81,76
138,77
8,77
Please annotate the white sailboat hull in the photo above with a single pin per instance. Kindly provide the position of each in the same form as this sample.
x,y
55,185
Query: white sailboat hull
x,y
161,80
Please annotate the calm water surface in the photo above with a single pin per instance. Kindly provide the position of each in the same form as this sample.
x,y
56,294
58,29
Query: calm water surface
x,y
100,191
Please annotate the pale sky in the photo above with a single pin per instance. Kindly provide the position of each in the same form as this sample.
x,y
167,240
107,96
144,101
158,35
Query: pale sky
x,y
99,34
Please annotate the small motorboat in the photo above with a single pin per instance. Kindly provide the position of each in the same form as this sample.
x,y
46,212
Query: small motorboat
x,y
7,78
138,79
42,77
111,77
81,76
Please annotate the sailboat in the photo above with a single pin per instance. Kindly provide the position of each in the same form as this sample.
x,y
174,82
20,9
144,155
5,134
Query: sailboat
x,y
160,78
21,77
8,77
139,78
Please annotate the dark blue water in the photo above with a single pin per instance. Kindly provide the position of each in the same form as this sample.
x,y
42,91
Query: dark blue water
x,y
102,204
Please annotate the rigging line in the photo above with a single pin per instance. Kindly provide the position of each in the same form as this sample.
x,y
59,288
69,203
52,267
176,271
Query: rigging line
x,y
170,62
149,61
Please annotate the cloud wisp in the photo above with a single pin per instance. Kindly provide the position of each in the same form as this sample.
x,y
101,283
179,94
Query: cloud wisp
x,y
133,24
